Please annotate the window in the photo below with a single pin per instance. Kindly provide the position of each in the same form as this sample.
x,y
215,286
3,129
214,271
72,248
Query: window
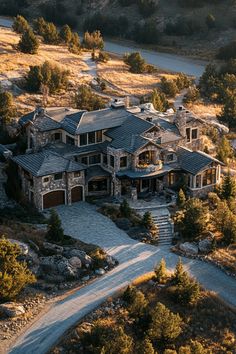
x,y
123,162
209,177
98,186
57,176
57,137
198,181
70,140
188,136
83,139
91,138
76,174
112,161
147,157
84,160
45,179
194,134
170,157
94,159
99,136
104,159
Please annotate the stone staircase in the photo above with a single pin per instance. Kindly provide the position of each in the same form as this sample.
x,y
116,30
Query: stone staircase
x,y
164,225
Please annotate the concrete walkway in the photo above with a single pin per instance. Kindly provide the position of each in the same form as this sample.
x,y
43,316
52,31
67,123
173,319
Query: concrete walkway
x,y
82,221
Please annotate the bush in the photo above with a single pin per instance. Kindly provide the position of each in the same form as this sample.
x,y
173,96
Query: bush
x,y
159,101
50,33
161,272
224,150
14,275
47,74
65,34
55,232
183,81
181,199
192,95
74,44
145,347
93,40
125,209
7,108
20,24
169,87
39,25
103,57
165,325
135,62
85,99
28,43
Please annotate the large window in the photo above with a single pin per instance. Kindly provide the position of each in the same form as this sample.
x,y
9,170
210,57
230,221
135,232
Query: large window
x,y
123,162
188,136
209,177
91,138
83,139
98,186
94,159
147,157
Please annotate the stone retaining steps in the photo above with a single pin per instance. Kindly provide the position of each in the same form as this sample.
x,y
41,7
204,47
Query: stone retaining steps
x,y
164,225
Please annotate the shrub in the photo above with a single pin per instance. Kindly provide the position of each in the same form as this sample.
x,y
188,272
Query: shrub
x,y
103,57
125,209
55,232
161,272
14,275
28,43
65,34
85,99
50,33
192,95
20,24
7,108
135,62
145,347
39,25
93,40
183,81
165,325
224,150
159,101
74,44
169,87
181,199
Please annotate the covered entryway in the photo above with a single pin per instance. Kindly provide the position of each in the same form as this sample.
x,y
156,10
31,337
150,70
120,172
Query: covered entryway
x,y
76,194
53,199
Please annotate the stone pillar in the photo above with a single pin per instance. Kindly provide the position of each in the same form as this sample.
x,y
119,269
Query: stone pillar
x,y
134,194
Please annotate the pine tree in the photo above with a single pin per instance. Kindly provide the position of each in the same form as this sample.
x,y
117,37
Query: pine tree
x,y
228,114
169,87
145,347
224,150
161,272
65,34
179,272
50,33
228,188
7,108
125,209
39,26
74,44
147,220
28,43
20,24
55,232
135,62
181,199
159,101
165,325
14,275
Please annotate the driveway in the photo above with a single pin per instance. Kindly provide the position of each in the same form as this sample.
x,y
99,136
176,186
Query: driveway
x,y
84,222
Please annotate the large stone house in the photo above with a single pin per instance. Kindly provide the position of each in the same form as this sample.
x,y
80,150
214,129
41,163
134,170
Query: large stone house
x,y
115,151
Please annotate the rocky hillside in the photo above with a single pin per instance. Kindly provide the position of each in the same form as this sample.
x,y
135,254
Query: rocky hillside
x,y
195,27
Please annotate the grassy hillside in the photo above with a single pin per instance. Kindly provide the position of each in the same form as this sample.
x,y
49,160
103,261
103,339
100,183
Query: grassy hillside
x,y
191,27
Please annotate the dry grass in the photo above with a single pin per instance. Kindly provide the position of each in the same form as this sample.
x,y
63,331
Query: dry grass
x,y
14,65
205,110
118,77
225,257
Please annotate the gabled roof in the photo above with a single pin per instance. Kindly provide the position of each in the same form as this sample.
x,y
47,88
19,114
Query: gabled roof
x,y
44,123
47,162
128,135
71,121
194,161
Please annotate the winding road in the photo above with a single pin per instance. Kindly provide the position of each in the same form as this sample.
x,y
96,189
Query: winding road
x,y
82,221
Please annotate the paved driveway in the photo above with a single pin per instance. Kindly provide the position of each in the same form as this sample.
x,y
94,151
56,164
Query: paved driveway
x,y
82,221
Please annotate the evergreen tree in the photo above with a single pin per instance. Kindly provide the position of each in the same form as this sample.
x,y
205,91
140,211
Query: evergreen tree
x,y
14,275
145,347
50,33
183,81
169,87
39,26
135,62
161,272
34,79
181,199
55,232
20,24
7,108
93,40
165,325
179,272
147,220
159,101
125,209
65,34
28,43
228,188
85,99
74,44
192,95
228,114
224,150
138,305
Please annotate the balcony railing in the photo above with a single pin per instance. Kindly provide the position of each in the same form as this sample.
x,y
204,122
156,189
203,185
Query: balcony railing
x,y
145,167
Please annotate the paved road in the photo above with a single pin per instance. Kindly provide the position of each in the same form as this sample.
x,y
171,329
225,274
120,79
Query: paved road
x,y
164,61
82,221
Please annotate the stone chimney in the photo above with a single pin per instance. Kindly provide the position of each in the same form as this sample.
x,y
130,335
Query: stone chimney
x,y
180,121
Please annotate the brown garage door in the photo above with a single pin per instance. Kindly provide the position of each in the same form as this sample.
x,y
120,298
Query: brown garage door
x,y
53,199
76,194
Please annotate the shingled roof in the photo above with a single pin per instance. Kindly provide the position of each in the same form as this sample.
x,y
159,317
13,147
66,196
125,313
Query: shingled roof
x,y
47,162
194,161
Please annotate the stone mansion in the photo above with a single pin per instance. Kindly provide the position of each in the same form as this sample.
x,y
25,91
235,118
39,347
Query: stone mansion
x,y
117,151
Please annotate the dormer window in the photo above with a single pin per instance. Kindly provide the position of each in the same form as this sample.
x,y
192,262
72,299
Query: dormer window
x,y
83,140
170,157
91,138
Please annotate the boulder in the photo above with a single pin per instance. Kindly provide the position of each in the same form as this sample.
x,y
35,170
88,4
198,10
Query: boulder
x,y
75,262
24,248
85,278
49,264
100,271
123,224
110,261
65,269
205,246
188,247
53,248
12,309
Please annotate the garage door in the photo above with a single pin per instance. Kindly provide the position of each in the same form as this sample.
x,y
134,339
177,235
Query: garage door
x,y
76,194
53,199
